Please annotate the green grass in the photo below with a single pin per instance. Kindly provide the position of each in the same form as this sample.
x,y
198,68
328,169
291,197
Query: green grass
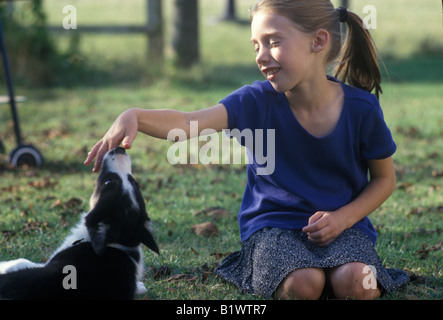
x,y
39,206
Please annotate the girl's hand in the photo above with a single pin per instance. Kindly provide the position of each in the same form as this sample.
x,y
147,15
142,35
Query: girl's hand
x,y
323,228
123,131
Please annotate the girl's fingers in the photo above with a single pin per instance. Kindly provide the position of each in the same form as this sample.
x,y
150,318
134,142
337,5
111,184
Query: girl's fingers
x,y
92,154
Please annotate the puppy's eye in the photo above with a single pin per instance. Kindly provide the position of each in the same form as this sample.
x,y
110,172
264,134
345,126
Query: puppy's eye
x,y
108,182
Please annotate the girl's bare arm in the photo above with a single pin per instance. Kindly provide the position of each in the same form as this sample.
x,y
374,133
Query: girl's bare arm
x,y
155,123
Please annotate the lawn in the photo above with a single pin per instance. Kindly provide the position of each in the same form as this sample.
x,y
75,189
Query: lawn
x,y
38,206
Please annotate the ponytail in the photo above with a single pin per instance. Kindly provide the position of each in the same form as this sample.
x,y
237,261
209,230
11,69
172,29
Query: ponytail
x,y
358,61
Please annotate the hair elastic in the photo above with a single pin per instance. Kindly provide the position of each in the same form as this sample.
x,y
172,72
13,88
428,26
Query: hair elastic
x,y
342,14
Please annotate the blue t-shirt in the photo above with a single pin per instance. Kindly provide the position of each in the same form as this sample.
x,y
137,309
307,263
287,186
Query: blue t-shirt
x,y
310,174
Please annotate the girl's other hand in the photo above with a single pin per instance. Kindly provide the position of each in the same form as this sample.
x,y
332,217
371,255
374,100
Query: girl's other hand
x,y
123,131
323,228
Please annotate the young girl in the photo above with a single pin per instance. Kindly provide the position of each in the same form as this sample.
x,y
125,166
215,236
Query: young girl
x,y
304,227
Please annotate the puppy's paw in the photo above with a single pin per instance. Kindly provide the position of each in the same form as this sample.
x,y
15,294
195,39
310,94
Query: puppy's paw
x,y
140,289
15,265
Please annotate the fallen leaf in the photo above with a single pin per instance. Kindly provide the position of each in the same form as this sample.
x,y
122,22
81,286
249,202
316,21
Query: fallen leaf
x,y
56,203
439,209
417,279
436,246
220,255
408,131
213,212
182,277
219,213
34,225
7,234
163,271
437,173
405,185
206,229
421,231
54,133
73,202
42,184
424,250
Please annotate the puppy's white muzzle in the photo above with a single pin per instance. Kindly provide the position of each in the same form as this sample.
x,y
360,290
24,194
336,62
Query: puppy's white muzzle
x,y
117,161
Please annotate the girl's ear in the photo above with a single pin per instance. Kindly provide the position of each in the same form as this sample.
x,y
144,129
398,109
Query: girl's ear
x,y
320,40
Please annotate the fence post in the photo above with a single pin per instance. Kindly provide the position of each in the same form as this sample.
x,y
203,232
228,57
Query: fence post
x,y
185,40
155,31
230,13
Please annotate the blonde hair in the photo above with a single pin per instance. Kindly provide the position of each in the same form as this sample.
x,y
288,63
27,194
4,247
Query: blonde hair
x,y
357,58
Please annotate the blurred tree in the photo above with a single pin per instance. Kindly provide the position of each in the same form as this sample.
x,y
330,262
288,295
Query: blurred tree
x,y
33,55
230,13
155,27
185,41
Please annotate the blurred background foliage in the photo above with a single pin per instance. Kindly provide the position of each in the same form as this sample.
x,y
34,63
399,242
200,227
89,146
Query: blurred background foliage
x,y
407,31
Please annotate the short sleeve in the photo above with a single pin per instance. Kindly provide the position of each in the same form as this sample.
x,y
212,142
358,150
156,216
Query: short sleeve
x,y
246,106
376,138
238,104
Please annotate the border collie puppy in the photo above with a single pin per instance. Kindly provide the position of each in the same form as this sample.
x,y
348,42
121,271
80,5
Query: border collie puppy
x,y
102,257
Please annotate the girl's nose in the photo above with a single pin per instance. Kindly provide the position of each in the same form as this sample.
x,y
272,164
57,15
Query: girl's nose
x,y
262,55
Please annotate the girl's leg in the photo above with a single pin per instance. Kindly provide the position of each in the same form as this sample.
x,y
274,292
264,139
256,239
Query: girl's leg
x,y
353,280
302,284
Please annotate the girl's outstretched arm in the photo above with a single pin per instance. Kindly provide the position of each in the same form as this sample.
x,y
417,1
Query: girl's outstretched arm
x,y
156,123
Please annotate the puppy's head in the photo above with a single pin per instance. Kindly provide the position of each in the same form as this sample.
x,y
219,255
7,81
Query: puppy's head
x,y
117,210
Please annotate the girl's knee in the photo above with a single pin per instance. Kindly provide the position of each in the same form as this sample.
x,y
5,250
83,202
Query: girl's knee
x,y
354,280
302,284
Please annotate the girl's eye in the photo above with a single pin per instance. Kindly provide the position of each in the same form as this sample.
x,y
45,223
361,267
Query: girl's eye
x,y
269,45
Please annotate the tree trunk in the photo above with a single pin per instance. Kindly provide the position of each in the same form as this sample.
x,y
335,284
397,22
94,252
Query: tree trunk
x,y
155,31
185,40
230,13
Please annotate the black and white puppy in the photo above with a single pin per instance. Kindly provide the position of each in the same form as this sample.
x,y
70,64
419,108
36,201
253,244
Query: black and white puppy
x,y
102,257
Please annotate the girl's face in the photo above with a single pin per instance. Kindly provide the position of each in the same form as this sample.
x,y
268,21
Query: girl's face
x,y
283,52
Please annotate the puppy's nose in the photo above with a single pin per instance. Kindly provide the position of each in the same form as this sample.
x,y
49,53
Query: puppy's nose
x,y
120,150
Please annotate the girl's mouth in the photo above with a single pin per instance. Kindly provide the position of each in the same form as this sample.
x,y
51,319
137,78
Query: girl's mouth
x,y
271,73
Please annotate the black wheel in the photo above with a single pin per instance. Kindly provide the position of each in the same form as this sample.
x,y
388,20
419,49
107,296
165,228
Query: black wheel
x,y
25,155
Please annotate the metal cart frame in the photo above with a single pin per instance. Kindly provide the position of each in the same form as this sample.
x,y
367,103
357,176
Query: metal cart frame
x,y
23,154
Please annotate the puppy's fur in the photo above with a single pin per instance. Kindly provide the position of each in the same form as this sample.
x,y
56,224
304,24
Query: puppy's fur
x,y
102,257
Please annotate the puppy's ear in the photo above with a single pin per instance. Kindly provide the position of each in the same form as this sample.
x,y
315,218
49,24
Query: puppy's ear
x,y
97,229
99,237
147,239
